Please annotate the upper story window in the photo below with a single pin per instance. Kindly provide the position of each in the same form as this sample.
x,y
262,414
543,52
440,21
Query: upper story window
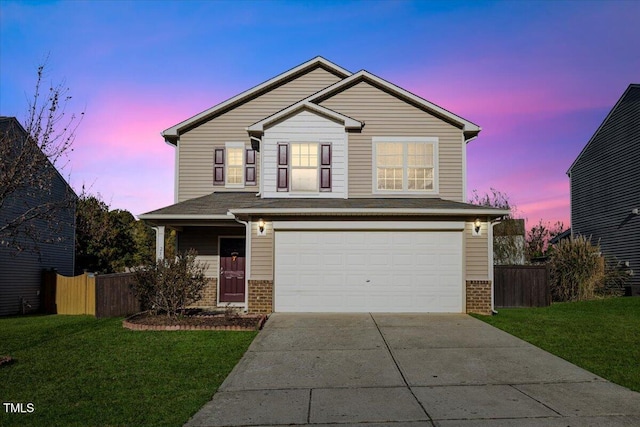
x,y
234,166
304,167
406,165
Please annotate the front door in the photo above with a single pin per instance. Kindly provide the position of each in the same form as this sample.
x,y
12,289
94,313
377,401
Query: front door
x,y
232,262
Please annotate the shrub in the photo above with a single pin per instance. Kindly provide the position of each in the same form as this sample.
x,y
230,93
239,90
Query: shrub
x,y
169,285
616,277
577,270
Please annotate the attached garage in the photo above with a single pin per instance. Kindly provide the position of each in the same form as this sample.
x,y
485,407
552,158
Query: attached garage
x,y
387,270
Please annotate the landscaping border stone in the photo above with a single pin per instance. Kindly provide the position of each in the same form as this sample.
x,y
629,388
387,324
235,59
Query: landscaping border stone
x,y
128,324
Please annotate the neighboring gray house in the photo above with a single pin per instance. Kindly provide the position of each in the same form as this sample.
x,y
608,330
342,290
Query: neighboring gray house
x,y
605,185
326,190
21,271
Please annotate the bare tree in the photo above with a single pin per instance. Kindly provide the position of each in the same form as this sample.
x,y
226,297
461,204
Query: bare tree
x,y
508,239
538,238
32,208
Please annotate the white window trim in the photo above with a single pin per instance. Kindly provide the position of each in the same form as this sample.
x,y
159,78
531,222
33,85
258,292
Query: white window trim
x,y
405,139
318,142
227,146
317,168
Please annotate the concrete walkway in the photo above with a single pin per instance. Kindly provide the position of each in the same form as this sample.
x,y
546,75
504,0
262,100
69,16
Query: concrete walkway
x,y
408,370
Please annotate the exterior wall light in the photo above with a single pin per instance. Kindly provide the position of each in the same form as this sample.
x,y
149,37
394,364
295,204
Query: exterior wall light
x,y
261,227
476,227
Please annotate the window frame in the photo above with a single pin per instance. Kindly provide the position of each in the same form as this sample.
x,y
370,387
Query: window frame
x,y
316,167
238,146
405,166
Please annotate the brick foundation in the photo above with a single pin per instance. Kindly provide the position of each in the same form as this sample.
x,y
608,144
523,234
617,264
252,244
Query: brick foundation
x,y
209,294
479,296
260,296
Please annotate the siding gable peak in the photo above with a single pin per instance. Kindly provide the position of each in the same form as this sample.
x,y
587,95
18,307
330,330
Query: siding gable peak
x,y
348,122
172,134
470,129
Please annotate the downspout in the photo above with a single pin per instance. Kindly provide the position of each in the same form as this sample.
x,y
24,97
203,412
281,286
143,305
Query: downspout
x,y
464,162
490,245
254,138
247,266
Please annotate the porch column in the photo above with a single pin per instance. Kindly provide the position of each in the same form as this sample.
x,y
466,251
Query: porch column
x,y
159,242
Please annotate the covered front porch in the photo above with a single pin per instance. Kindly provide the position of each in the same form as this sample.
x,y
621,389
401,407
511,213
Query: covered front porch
x,y
221,246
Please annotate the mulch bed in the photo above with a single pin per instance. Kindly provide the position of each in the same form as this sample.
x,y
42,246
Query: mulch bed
x,y
195,320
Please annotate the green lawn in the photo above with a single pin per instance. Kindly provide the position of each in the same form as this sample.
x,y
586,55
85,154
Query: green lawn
x,y
602,336
79,371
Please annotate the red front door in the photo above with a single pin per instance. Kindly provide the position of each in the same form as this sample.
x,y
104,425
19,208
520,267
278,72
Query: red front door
x,y
232,263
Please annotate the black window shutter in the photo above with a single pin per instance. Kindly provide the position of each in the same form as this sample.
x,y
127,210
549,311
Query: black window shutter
x,y
325,167
250,167
218,166
283,167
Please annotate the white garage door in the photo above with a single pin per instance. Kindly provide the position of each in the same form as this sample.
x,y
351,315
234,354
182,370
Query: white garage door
x,y
372,271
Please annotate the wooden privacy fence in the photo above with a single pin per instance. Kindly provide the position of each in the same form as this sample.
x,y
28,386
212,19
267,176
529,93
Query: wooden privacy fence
x,y
521,286
76,295
107,295
114,297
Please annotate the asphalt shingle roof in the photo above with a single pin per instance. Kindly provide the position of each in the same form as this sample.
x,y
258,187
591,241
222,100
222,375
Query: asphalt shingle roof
x,y
220,203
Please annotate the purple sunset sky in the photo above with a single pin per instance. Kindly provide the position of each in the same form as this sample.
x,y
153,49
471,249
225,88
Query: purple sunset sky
x,y
538,77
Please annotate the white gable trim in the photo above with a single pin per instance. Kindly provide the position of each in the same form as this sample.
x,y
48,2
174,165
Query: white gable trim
x,y
347,121
171,134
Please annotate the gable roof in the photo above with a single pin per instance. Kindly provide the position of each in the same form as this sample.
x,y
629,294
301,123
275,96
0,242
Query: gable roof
x,y
348,122
172,134
632,87
12,127
469,129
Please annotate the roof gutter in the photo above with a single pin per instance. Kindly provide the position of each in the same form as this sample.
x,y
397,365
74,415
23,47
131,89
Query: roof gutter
x,y
493,213
468,140
150,217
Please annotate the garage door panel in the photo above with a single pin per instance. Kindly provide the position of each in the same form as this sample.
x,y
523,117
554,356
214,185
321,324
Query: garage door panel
x,y
380,271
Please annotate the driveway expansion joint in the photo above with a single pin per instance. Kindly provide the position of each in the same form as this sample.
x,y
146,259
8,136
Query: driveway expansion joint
x,y
400,370
537,400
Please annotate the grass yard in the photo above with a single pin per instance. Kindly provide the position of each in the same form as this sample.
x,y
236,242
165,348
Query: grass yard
x,y
602,336
79,371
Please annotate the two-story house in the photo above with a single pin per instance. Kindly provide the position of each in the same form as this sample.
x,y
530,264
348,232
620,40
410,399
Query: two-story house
x,y
605,186
322,190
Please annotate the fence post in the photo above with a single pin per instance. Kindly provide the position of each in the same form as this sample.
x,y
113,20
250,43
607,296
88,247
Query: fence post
x,y
49,291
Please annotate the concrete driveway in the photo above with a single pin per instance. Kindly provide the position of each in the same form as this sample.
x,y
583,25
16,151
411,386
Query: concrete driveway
x,y
408,370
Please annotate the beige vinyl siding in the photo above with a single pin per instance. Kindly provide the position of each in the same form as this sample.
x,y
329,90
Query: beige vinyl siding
x,y
387,115
205,241
195,160
476,253
261,252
